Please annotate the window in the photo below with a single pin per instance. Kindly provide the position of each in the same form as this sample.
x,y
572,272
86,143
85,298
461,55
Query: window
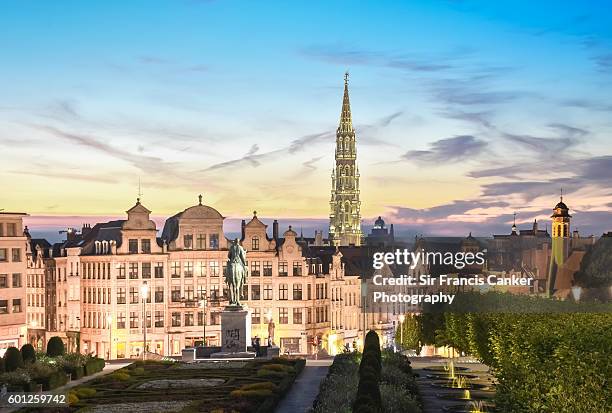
x,y
255,292
3,254
16,255
133,319
214,292
282,292
120,295
16,305
256,316
159,318
308,292
309,315
201,242
145,246
268,292
133,295
146,270
215,318
16,280
3,280
120,320
297,268
176,319
121,271
133,270
255,243
148,318
11,229
3,306
283,315
189,292
297,316
214,268
159,270
255,268
297,291
176,269
188,241
201,291
188,319
159,294
282,269
175,296
201,268
188,269
133,246
267,268
214,241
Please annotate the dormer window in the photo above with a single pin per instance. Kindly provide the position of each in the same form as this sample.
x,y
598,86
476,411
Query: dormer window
x,y
133,246
145,246
188,241
104,247
214,241
255,243
97,245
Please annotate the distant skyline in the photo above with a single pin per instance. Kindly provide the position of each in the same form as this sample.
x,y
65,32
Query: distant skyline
x,y
465,111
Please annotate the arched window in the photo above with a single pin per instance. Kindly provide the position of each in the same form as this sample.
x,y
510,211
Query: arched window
x,y
97,245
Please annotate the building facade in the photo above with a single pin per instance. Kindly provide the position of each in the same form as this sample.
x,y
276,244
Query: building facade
x,y
13,268
345,206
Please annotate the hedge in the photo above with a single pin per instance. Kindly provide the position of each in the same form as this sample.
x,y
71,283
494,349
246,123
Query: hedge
x,y
12,359
28,353
94,365
544,362
54,380
55,347
368,390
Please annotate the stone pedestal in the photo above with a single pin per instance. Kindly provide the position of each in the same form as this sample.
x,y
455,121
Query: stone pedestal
x,y
235,329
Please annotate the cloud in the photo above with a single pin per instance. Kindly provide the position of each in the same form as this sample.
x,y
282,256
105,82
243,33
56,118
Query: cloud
x,y
310,163
549,146
448,150
153,60
69,176
603,62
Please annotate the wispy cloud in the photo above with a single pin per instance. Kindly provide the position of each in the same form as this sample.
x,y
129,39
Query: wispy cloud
x,y
448,150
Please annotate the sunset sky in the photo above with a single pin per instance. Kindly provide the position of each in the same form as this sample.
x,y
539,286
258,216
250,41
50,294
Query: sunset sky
x,y
465,111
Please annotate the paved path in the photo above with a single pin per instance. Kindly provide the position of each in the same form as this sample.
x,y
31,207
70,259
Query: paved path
x,y
305,388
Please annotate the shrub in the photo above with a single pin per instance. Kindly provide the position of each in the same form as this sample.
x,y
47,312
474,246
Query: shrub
x,y
54,380
395,399
55,347
260,393
265,385
16,380
85,392
138,370
1,365
72,398
119,376
93,365
271,373
28,353
279,367
12,359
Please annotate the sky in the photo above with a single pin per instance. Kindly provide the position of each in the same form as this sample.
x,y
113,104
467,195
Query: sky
x,y
465,111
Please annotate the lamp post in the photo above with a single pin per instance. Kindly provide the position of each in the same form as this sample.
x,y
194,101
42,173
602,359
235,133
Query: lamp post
x,y
203,304
270,328
109,321
144,289
401,319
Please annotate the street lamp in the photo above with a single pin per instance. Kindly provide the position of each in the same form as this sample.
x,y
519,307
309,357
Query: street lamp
x,y
109,321
203,304
401,319
144,289
270,328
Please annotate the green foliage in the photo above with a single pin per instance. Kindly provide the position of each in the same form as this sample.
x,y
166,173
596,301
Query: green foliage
x,y
271,373
55,347
119,376
256,393
408,335
596,266
12,359
337,391
264,385
546,362
94,365
368,392
1,365
18,380
85,392
395,399
28,353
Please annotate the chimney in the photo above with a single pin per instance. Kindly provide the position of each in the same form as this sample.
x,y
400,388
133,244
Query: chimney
x,y
275,230
86,229
242,227
391,232
318,238
71,234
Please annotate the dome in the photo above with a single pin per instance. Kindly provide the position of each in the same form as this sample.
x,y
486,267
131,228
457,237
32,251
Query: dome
x,y
561,205
379,223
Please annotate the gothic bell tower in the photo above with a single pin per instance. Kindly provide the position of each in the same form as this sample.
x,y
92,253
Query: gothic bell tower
x,y
560,242
345,206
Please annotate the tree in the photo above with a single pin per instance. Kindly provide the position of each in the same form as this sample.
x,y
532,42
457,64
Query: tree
x,y
28,353
55,347
596,265
12,359
408,334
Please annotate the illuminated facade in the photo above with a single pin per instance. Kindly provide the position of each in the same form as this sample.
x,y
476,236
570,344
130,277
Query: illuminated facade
x,y
345,206
13,270
95,286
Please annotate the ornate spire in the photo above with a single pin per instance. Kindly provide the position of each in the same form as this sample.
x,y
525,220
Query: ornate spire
x,y
346,120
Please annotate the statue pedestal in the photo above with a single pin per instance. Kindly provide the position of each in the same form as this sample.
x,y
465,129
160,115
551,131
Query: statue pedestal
x,y
235,333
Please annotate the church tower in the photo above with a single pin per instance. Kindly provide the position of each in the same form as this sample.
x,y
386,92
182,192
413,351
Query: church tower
x,y
560,242
345,207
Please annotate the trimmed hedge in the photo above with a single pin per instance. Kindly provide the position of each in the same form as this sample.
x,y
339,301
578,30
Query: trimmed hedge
x,y
56,379
94,365
28,353
12,359
368,397
55,347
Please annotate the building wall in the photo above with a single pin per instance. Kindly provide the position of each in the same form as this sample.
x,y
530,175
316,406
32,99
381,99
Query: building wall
x,y
13,266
